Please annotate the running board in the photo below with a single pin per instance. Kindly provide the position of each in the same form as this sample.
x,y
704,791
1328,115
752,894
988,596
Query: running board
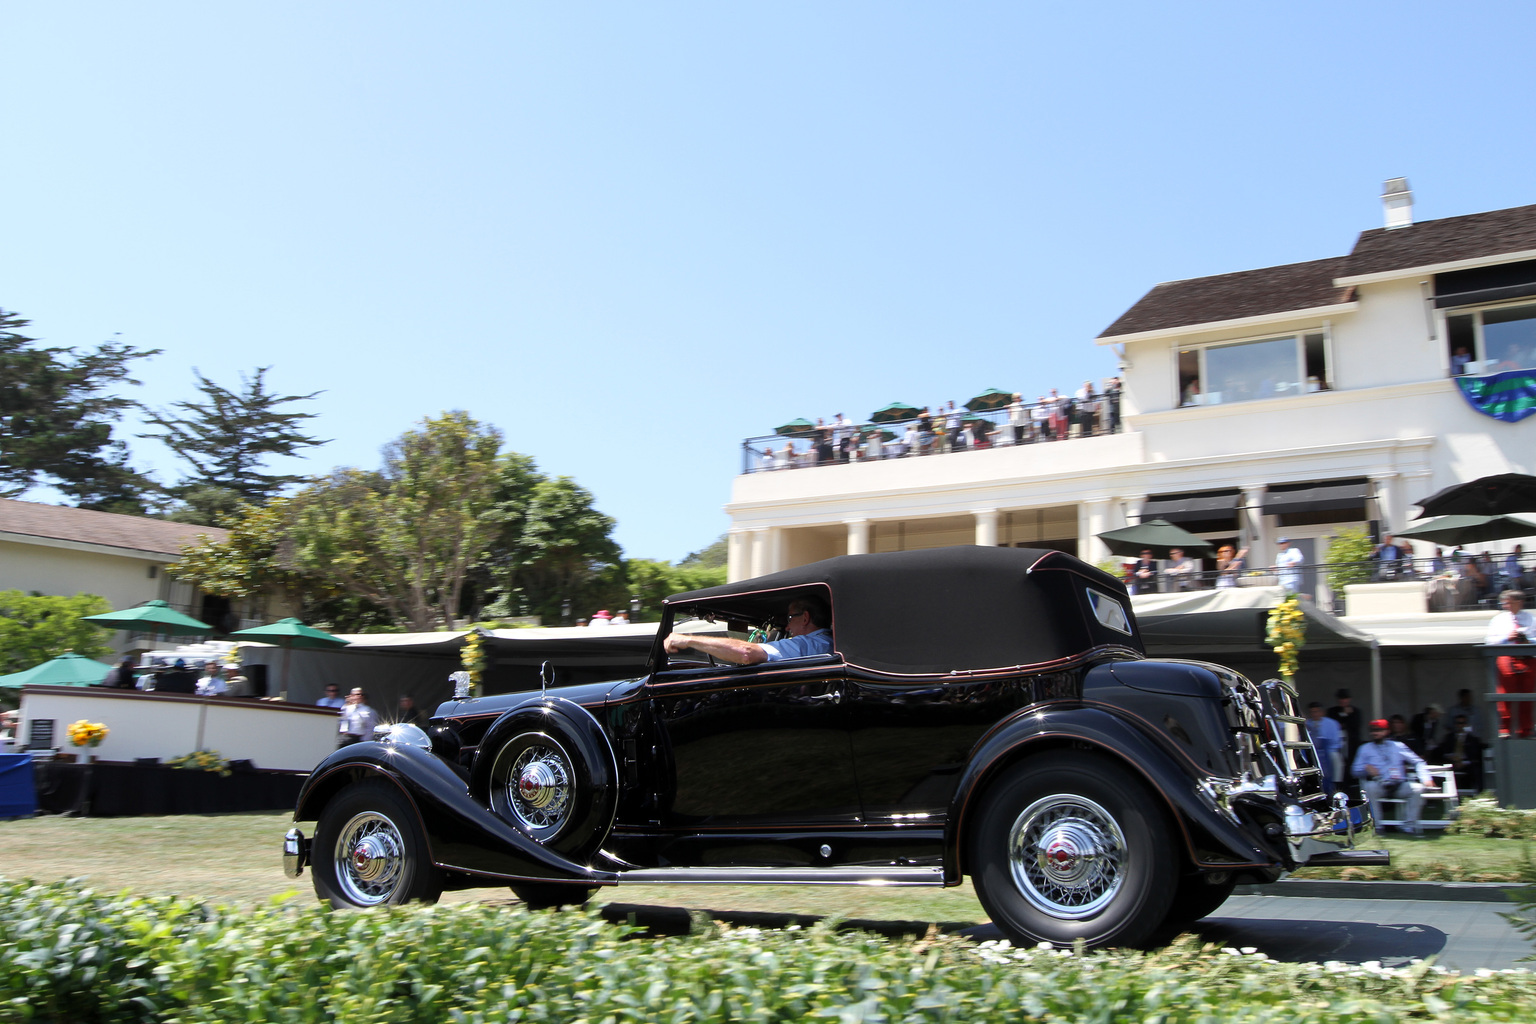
x,y
787,876
1349,858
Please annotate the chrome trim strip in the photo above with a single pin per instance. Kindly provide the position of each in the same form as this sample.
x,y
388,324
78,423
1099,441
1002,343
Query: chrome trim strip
x,y
905,875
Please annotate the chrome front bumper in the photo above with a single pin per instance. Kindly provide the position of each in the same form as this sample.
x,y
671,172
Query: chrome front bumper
x,y
295,853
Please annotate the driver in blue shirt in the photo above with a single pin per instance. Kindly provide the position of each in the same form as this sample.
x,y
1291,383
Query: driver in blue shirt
x,y
809,619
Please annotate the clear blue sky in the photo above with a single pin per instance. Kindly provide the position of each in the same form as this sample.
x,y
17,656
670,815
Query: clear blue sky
x,y
632,234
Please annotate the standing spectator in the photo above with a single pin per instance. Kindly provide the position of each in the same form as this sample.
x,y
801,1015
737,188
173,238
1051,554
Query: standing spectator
x,y
1230,565
407,713
786,457
924,432
1388,556
1348,716
954,425
212,682
1112,400
357,719
1288,562
1087,408
981,430
824,450
1018,418
1382,766
1425,730
621,618
1463,751
1182,572
1514,572
912,442
1459,360
601,617
121,676
1041,415
332,698
1060,405
842,436
239,684
1328,738
1144,574
176,679
874,445
1514,625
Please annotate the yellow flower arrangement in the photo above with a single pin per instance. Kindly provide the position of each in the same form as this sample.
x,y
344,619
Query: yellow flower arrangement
x,y
472,657
87,734
1286,634
201,761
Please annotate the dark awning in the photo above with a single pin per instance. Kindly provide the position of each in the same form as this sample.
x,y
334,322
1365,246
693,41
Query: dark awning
x,y
1480,285
1195,506
1486,295
1322,496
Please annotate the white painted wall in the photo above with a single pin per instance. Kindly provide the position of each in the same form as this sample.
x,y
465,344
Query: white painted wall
x,y
123,581
165,726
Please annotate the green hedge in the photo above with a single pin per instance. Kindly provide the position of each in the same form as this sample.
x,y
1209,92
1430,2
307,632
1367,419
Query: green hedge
x,y
77,956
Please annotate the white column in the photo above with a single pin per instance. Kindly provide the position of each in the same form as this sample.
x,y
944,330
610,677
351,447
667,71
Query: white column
x,y
1389,497
1251,520
759,544
775,559
986,527
1093,519
858,536
1133,506
738,548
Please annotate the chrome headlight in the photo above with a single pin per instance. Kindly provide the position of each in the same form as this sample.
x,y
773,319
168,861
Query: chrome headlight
x,y
400,734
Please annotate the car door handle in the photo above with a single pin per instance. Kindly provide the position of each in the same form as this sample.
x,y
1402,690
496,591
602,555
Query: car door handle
x,y
835,697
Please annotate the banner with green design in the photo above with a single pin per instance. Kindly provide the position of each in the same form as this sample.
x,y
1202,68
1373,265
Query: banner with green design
x,y
1509,396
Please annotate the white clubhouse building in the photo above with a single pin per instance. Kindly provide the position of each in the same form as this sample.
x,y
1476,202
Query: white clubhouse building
x,y
1291,401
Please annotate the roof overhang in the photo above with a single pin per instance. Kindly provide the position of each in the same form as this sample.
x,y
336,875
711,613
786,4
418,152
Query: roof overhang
x,y
1239,324
161,557
1435,268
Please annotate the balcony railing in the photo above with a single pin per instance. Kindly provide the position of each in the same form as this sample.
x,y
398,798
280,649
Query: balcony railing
x,y
1452,584
831,445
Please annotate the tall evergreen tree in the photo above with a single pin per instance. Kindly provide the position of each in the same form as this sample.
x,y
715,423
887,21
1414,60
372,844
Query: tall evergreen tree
x,y
56,417
227,437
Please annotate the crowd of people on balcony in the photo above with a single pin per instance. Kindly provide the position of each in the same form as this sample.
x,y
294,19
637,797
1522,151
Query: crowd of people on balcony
x,y
1456,579
943,429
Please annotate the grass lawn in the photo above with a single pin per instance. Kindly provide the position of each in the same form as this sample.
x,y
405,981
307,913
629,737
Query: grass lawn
x,y
237,858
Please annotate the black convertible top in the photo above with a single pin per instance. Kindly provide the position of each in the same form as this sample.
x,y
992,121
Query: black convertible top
x,y
944,609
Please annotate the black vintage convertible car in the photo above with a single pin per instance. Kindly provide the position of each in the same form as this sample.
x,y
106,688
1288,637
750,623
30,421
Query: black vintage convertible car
x,y
987,712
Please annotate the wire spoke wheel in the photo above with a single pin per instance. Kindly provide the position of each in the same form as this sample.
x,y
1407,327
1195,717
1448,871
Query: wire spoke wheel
x,y
533,784
1067,855
370,859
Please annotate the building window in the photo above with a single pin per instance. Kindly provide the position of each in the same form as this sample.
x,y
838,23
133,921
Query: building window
x,y
1492,340
1246,371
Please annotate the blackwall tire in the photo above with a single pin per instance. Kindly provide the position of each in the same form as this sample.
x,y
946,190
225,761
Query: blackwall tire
x,y
369,851
1067,848
550,895
1197,896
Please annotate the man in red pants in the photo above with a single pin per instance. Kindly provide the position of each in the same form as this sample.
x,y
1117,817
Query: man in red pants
x,y
1514,625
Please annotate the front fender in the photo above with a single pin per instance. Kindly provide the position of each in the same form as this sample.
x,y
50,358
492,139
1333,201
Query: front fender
x,y
462,834
1210,838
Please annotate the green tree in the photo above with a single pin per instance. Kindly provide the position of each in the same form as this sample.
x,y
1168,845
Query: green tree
x,y
56,415
652,582
35,628
228,436
716,556
562,550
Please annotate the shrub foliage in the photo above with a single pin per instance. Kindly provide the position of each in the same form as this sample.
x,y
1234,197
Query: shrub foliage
x,y
78,956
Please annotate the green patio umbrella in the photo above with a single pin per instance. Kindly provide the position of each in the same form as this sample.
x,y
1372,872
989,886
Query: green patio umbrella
x,y
1469,529
896,412
288,634
1157,534
152,617
989,399
68,669
796,428
886,436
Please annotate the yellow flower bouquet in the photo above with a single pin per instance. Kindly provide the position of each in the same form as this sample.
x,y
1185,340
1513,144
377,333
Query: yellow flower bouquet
x,y
87,734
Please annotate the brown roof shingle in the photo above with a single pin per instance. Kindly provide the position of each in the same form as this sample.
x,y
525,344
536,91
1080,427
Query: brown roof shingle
x,y
58,522
1295,286
1446,240
1203,300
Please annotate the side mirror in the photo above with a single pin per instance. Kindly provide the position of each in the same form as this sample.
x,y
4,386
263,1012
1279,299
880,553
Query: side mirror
x,y
546,676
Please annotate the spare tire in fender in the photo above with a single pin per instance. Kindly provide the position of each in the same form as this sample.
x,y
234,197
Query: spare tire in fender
x,y
547,769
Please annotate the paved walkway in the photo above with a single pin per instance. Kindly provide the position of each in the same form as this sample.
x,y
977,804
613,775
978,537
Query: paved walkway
x,y
1462,936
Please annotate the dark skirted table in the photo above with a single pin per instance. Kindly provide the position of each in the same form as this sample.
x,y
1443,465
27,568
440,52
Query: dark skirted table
x,y
109,789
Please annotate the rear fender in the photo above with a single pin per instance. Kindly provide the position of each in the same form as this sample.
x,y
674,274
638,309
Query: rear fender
x,y
1209,838
462,834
